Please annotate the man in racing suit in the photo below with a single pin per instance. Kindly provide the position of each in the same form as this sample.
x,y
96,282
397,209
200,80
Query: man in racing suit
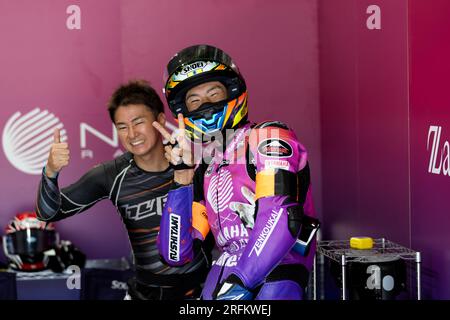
x,y
254,195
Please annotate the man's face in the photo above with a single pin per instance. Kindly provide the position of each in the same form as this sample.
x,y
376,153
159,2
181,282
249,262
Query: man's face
x,y
134,126
211,92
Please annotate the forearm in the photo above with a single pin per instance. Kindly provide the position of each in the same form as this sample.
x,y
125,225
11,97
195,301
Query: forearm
x,y
272,238
53,204
175,242
48,199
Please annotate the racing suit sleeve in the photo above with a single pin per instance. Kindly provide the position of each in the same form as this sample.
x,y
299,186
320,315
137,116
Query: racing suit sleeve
x,y
281,187
184,223
53,204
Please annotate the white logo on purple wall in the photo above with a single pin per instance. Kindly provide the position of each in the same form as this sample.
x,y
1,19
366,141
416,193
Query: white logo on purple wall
x,y
27,139
374,21
439,162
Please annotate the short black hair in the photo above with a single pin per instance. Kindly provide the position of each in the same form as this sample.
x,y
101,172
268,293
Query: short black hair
x,y
135,92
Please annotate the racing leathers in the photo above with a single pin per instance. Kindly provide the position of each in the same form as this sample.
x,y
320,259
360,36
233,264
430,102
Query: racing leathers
x,y
139,197
255,198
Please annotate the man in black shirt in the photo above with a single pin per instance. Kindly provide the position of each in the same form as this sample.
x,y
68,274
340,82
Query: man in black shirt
x,y
137,183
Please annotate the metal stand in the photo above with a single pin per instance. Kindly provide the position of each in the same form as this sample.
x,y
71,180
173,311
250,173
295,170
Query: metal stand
x,y
340,251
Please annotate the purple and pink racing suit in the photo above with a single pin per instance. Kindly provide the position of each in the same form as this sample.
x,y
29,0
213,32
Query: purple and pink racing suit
x,y
253,197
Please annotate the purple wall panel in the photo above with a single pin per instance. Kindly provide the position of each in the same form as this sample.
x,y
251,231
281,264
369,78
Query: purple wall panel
x,y
430,107
338,76
385,108
383,122
364,121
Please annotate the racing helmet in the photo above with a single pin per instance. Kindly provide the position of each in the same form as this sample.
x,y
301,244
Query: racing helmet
x,y
26,240
196,65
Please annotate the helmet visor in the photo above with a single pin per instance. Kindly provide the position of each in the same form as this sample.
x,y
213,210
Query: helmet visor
x,y
30,241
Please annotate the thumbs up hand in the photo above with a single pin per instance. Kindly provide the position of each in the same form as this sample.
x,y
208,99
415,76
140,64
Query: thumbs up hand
x,y
58,157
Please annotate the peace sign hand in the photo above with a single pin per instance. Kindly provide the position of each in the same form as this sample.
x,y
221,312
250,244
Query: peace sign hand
x,y
178,152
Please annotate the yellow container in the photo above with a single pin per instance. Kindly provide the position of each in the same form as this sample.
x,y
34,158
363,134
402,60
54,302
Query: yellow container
x,y
361,243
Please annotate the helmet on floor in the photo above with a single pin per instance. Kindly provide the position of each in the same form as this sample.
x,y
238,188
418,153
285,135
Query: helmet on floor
x,y
26,240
